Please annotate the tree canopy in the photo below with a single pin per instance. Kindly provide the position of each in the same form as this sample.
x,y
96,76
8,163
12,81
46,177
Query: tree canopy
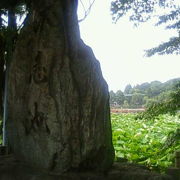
x,y
167,12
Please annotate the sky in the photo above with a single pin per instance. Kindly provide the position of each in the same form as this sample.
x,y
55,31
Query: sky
x,y
120,48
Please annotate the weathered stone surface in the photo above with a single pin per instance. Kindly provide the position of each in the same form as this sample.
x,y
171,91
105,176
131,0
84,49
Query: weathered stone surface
x,y
10,169
58,102
174,172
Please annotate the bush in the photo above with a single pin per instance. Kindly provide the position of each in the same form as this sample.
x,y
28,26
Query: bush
x,y
146,142
170,105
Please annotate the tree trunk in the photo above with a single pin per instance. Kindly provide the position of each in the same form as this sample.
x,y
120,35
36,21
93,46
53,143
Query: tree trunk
x,y
9,40
1,69
1,75
58,101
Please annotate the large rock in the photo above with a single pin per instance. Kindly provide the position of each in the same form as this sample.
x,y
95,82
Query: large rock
x,y
58,101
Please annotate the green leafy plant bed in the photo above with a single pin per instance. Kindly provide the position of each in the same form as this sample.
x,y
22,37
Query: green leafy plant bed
x,y
148,142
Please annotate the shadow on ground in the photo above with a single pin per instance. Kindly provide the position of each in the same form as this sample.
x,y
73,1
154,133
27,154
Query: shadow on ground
x,y
11,169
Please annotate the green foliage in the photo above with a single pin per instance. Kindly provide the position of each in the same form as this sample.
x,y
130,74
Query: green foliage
x,y
169,105
117,98
128,89
143,10
120,97
140,10
146,94
172,21
172,46
151,143
137,99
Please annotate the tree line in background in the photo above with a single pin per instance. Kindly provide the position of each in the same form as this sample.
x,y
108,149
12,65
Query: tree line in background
x,y
143,95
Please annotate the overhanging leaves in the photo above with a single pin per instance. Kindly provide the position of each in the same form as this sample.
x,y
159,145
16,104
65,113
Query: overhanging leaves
x,y
142,10
170,47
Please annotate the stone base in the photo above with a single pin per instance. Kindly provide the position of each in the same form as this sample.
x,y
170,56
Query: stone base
x,y
11,169
174,172
3,150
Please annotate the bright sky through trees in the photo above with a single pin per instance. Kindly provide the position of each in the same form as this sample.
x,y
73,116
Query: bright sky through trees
x,y
120,48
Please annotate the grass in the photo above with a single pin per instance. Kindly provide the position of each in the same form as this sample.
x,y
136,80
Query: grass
x,y
148,142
